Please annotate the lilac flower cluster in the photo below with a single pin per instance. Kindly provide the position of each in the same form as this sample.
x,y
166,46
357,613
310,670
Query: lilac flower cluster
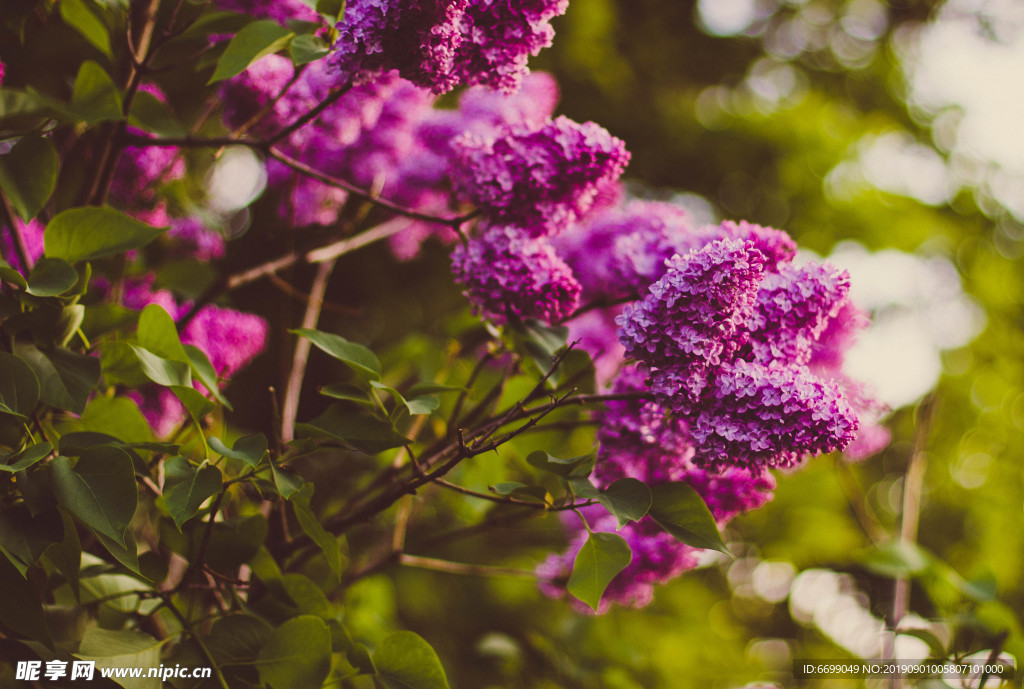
x,y
541,179
510,275
31,236
440,44
3,71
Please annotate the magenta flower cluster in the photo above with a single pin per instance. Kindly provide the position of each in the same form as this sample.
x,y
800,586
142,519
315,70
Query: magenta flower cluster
x,y
511,275
541,179
441,44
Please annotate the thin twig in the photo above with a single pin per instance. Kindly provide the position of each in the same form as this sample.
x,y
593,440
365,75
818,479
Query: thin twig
x,y
462,568
290,408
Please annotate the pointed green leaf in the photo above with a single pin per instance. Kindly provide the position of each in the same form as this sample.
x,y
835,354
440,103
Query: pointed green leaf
x,y
21,611
248,45
163,371
95,98
99,490
127,553
122,649
19,389
77,15
601,558
681,511
307,48
28,175
574,466
194,402
85,234
66,556
9,274
26,458
297,655
288,484
66,379
27,536
151,114
359,358
186,488
250,449
405,661
348,393
204,371
118,417
50,277
157,333
627,499
422,405
331,8
238,637
327,541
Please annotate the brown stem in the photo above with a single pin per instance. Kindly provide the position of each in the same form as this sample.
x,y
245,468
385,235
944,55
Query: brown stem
x,y
290,408
461,567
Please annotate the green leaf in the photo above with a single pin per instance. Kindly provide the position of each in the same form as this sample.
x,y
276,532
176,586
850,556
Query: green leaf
x,y
118,649
234,541
331,8
422,405
250,44
28,175
357,429
102,318
627,499
66,556
26,458
186,488
50,277
239,638
359,358
327,541
151,114
194,402
27,536
600,559
348,393
935,647
307,48
297,655
157,333
118,417
681,511
405,661
162,371
95,98
251,449
574,466
21,611
85,234
120,365
77,15
66,379
9,274
287,483
204,371
100,490
19,389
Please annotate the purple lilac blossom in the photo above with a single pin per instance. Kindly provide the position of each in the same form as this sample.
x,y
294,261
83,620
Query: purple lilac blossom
x,y
758,416
438,44
622,251
3,70
693,318
539,178
794,306
777,246
510,275
196,239
31,234
421,181
254,89
278,10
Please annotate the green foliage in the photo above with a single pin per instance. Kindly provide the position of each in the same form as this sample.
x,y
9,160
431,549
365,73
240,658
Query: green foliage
x,y
360,359
95,98
403,660
248,45
77,14
19,389
297,655
187,487
681,511
627,499
99,489
28,175
601,558
86,234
